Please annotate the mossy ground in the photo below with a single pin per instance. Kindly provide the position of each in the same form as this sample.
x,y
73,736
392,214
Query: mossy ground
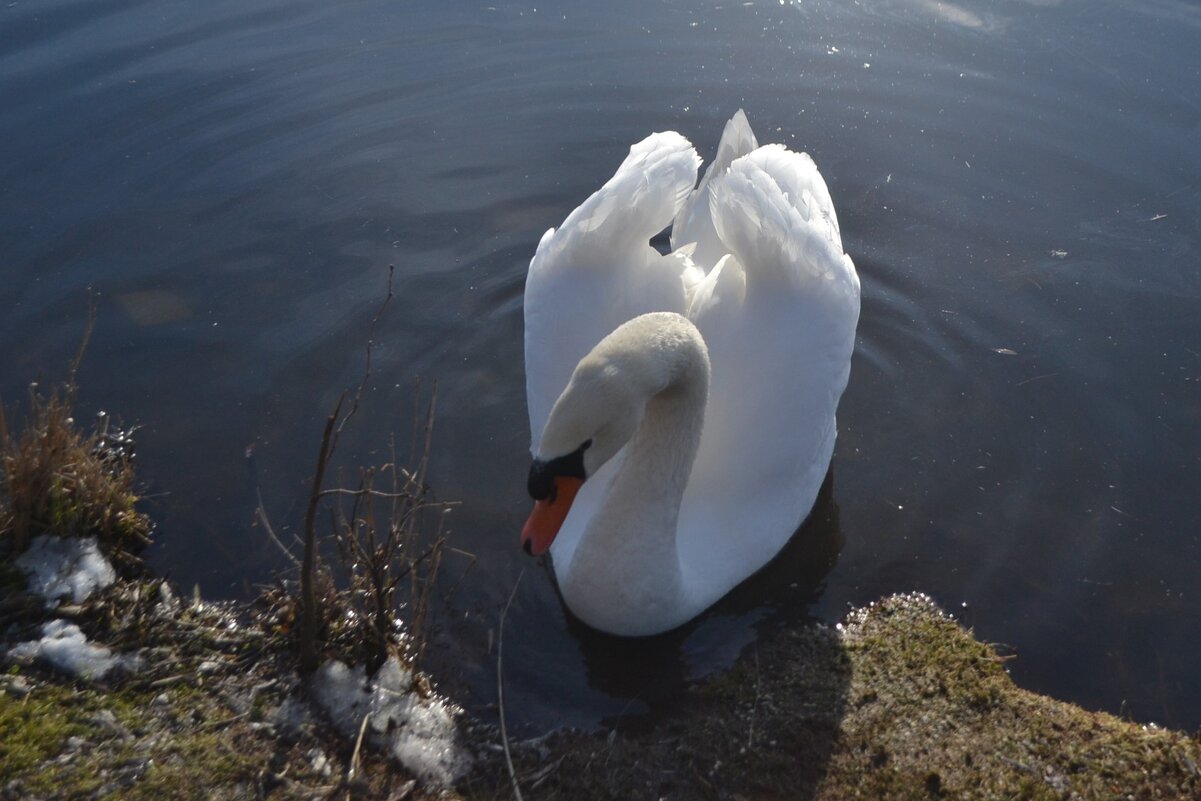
x,y
900,704
61,741
903,704
935,715
198,720
67,742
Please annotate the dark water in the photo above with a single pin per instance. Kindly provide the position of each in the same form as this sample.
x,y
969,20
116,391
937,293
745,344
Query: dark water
x,y
1018,183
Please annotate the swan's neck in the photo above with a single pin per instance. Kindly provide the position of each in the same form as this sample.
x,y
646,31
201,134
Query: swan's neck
x,y
627,566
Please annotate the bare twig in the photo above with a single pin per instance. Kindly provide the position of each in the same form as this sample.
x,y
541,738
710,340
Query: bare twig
x,y
500,686
750,736
358,395
223,722
308,598
88,327
358,747
470,564
1026,381
374,493
260,513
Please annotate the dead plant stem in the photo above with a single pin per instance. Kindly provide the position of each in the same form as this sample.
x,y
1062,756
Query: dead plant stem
x,y
308,597
500,687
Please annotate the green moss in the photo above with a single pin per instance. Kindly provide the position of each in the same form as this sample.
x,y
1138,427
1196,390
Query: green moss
x,y
195,766
905,705
190,758
931,700
736,685
932,658
35,729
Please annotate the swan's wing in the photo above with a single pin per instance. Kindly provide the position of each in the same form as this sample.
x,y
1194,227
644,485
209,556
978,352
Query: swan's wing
x,y
598,269
779,318
775,211
694,222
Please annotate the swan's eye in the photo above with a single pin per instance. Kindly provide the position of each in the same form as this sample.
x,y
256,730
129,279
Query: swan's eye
x,y
541,483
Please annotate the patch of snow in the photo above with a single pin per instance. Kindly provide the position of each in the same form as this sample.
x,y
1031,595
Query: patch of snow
x,y
65,567
418,732
65,647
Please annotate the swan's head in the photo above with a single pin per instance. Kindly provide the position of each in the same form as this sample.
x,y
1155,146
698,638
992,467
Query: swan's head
x,y
590,422
655,354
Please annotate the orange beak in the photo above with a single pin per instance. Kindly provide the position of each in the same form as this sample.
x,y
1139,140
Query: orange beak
x,y
547,518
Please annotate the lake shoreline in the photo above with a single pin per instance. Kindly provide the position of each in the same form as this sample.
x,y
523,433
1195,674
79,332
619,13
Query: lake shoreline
x,y
897,702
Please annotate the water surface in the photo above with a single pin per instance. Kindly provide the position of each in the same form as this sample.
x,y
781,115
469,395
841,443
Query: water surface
x,y
1017,183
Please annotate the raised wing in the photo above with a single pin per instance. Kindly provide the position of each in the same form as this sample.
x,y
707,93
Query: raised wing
x,y
779,317
598,269
775,213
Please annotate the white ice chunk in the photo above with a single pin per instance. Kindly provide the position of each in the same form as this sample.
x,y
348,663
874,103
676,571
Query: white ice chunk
x,y
65,567
65,647
418,732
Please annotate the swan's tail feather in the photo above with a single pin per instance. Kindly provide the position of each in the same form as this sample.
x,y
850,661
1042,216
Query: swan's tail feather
x,y
720,293
737,139
638,202
775,213
694,222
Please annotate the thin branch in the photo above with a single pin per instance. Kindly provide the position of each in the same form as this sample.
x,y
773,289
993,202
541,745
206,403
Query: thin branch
x,y
360,492
358,747
430,413
260,513
308,598
89,326
750,737
413,563
358,394
450,593
500,686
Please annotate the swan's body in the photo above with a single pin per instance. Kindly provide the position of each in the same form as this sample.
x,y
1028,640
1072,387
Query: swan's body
x,y
703,434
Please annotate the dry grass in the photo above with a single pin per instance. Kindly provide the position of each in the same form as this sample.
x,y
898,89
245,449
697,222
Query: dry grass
x,y
58,478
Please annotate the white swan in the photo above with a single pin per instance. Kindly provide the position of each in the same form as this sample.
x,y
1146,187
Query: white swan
x,y
682,406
